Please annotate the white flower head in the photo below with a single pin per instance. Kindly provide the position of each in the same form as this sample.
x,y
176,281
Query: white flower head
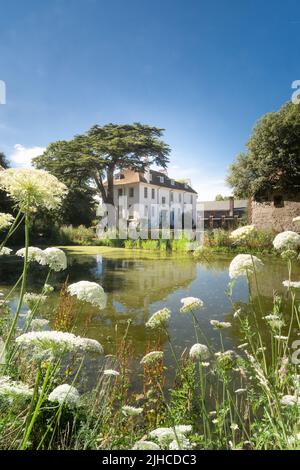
x,y
111,372
167,435
291,284
242,232
145,445
31,299
159,318
65,394
34,254
181,443
14,390
199,351
131,410
290,400
58,342
152,357
4,251
90,292
31,188
5,220
190,304
220,325
55,259
287,241
242,265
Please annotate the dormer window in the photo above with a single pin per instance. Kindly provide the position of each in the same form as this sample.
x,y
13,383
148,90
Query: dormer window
x,y
161,179
172,182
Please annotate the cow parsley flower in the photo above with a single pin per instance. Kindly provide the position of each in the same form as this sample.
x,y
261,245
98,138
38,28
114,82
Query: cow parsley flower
x,y
31,299
31,188
219,325
242,265
145,445
58,342
65,394
293,284
5,220
167,435
190,304
111,372
287,241
290,400
55,259
39,324
4,251
131,410
199,351
152,357
159,318
14,390
281,338
242,232
226,359
87,291
34,254
181,443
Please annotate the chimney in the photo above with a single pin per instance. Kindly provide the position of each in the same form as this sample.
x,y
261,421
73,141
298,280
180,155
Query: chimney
x,y
231,206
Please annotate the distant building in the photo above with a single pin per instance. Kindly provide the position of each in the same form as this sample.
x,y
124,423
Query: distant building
x,y
276,210
152,195
222,214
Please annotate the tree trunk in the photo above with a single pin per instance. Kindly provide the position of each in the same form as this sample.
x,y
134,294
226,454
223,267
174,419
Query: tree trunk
x,y
110,186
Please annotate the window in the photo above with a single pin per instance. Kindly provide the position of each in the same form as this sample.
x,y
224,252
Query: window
x,y
172,182
161,179
179,197
278,201
152,211
146,211
163,200
153,193
145,193
191,199
120,192
171,197
131,192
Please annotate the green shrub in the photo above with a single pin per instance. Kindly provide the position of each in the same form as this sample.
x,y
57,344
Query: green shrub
x,y
80,235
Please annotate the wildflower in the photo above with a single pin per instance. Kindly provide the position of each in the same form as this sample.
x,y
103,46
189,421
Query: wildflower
x,y
226,359
14,390
5,220
281,338
199,351
181,443
287,240
190,304
31,299
55,259
38,324
159,318
289,400
289,254
145,445
4,251
165,435
219,325
31,188
58,342
240,391
47,289
90,292
242,232
65,394
234,427
111,372
293,284
131,410
34,254
243,265
205,364
152,357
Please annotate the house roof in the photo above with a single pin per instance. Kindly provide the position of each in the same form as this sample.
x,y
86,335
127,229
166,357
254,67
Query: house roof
x,y
132,177
223,205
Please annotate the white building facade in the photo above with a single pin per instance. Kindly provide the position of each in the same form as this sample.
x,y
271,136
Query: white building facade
x,y
155,199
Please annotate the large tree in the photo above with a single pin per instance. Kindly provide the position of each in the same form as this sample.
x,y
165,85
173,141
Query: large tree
x,y
96,155
272,160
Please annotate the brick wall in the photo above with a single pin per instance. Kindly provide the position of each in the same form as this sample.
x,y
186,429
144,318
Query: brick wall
x,y
266,215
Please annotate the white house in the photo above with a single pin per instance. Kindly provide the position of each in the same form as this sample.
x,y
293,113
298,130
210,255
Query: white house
x,y
154,197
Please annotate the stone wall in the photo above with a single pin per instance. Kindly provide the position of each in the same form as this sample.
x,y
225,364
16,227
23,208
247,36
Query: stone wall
x,y
265,214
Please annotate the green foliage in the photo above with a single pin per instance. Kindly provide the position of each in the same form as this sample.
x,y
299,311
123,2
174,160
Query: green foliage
x,y
272,159
80,235
258,241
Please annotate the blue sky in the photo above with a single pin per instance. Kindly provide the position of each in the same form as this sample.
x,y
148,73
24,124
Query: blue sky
x,y
203,70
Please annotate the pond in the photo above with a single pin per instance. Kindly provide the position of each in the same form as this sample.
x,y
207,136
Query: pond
x,y
138,284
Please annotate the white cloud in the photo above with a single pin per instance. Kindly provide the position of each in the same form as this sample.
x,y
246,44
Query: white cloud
x,y
22,156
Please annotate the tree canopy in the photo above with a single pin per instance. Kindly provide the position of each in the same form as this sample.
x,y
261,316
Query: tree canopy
x,y
96,155
272,159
